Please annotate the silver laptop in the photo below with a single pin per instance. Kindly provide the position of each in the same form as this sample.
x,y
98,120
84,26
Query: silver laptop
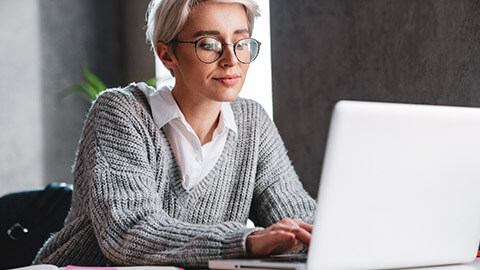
x,y
400,187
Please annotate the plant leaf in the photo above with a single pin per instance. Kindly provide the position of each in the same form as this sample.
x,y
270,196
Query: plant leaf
x,y
78,89
92,92
93,80
152,82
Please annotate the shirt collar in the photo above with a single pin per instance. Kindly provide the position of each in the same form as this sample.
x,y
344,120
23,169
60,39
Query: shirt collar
x,y
228,117
165,108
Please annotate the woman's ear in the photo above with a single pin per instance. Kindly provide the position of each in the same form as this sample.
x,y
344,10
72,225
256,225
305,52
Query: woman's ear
x,y
165,54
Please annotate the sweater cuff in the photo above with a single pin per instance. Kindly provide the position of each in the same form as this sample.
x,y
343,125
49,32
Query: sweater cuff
x,y
235,246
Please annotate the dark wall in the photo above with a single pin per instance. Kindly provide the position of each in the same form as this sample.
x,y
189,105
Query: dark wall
x,y
73,32
138,59
416,51
109,36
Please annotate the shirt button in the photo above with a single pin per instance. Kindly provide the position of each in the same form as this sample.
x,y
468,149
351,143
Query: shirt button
x,y
197,158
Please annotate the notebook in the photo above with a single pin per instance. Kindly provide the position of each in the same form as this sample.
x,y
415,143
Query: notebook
x,y
400,187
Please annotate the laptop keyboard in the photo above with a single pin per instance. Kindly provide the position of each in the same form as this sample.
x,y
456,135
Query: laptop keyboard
x,y
300,258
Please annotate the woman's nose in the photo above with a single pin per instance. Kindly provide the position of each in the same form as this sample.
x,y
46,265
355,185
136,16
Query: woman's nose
x,y
228,57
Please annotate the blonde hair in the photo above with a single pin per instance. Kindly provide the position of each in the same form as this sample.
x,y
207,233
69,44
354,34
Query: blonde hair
x,y
166,18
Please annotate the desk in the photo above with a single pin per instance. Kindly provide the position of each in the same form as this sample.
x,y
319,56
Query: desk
x,y
472,266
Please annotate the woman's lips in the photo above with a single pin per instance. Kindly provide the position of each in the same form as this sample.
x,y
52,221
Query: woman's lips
x,y
228,80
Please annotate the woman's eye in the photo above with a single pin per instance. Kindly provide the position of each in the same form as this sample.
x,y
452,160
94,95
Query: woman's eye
x,y
209,46
242,45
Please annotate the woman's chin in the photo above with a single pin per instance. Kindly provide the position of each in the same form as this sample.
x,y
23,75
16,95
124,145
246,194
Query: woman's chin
x,y
232,97
228,95
226,99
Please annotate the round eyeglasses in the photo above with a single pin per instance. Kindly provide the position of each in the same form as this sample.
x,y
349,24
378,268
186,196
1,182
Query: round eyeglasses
x,y
209,49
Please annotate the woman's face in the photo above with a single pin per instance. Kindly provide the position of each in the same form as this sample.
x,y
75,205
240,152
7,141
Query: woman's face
x,y
221,80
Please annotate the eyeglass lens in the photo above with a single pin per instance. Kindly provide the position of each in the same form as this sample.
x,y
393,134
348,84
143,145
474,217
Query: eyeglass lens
x,y
209,49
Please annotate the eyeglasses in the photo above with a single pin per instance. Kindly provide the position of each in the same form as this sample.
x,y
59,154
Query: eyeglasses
x,y
209,49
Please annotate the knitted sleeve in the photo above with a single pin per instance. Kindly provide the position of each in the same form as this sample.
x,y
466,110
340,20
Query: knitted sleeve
x,y
278,191
122,201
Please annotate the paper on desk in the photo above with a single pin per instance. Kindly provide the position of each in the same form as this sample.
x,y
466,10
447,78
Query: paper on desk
x,y
69,267
75,267
38,267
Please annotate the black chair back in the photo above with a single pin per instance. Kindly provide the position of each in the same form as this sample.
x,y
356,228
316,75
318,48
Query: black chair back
x,y
28,219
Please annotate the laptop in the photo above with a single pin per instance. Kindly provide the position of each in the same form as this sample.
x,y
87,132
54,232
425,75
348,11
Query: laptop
x,y
400,188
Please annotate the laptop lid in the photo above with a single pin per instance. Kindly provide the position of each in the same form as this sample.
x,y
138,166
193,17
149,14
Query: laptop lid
x,y
400,187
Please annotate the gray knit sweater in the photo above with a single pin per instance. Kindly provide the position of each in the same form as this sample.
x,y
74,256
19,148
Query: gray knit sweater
x,y
129,206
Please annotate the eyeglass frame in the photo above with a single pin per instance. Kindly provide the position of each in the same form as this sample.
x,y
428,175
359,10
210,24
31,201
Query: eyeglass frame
x,y
221,52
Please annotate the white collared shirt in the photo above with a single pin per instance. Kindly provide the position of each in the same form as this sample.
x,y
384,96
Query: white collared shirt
x,y
195,161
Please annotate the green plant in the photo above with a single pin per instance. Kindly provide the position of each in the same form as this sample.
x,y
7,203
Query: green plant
x,y
93,86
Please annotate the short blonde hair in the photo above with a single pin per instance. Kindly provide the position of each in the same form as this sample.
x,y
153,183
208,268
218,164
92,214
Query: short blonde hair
x,y
166,18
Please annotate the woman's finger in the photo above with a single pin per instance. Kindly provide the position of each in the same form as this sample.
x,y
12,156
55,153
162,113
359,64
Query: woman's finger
x,y
270,242
301,229
286,227
308,227
279,238
303,236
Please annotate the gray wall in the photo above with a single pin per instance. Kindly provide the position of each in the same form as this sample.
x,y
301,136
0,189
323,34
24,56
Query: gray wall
x,y
42,45
139,62
21,131
415,51
72,32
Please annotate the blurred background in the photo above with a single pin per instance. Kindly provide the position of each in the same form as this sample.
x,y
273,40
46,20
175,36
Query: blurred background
x,y
43,44
413,51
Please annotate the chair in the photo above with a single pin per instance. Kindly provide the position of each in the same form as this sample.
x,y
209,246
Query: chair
x,y
28,218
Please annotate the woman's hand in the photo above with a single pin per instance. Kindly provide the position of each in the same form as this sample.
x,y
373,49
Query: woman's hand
x,y
281,237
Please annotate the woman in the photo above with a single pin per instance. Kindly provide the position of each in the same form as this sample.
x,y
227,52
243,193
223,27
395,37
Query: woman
x,y
171,177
